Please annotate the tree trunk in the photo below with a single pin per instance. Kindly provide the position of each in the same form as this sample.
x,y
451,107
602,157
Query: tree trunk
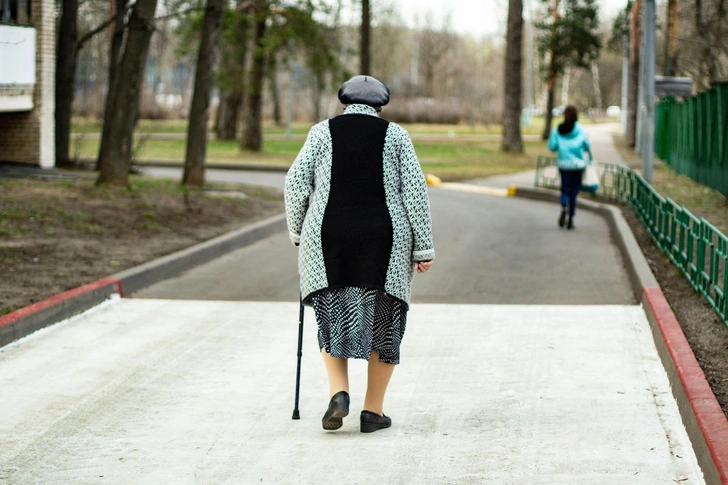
x,y
430,81
234,53
597,87
228,118
708,67
635,47
253,133
117,42
316,94
565,84
551,80
549,116
115,156
672,43
365,48
65,77
512,108
194,173
219,112
274,91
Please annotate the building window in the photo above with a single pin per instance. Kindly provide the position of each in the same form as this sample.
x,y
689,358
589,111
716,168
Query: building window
x,y
15,12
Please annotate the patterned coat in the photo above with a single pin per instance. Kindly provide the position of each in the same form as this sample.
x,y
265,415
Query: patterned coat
x,y
335,218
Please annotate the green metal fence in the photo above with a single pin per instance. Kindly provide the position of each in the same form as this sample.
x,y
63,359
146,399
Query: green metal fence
x,y
692,136
694,245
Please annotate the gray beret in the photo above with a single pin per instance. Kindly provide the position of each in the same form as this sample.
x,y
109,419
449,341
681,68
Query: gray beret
x,y
364,90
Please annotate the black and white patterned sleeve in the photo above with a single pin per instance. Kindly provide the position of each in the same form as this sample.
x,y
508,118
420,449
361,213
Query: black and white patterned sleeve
x,y
417,204
300,183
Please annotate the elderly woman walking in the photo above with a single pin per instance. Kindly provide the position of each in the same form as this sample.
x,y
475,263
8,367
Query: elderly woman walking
x,y
570,141
356,203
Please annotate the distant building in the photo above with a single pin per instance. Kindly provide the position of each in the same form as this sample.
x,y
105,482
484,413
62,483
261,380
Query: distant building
x,y
27,81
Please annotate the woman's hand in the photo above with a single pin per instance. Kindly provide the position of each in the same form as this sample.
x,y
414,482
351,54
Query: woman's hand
x,y
422,266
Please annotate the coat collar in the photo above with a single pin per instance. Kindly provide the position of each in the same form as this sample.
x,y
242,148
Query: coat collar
x,y
360,109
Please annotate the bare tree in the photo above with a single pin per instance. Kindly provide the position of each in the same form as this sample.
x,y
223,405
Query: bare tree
x,y
512,101
65,76
597,88
391,44
433,45
709,58
551,74
672,44
365,41
194,173
231,72
117,43
701,41
115,153
69,45
565,85
253,129
275,92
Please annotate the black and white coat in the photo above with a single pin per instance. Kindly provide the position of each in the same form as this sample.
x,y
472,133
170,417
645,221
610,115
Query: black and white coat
x,y
356,202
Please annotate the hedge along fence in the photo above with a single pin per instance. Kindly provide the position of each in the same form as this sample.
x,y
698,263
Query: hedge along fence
x,y
694,245
692,136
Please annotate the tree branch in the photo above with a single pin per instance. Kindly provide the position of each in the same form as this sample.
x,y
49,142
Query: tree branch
x,y
89,35
181,12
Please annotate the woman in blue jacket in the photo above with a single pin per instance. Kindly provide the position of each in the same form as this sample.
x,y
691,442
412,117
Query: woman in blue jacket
x,y
570,141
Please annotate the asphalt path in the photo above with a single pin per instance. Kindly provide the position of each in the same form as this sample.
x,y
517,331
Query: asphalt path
x,y
490,250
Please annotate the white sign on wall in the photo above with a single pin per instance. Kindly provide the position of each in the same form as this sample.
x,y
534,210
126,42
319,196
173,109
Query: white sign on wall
x,y
17,55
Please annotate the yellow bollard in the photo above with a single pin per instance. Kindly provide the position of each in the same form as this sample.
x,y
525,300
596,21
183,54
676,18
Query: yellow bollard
x,y
433,180
512,191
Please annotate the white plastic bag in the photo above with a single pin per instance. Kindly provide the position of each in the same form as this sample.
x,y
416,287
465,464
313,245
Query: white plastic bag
x,y
590,178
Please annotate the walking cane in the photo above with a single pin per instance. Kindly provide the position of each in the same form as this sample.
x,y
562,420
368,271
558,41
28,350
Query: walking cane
x,y
296,415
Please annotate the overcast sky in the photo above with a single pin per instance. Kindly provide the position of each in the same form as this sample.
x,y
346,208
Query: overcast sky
x,y
480,17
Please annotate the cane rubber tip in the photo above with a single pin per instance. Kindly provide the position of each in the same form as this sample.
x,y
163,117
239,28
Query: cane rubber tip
x,y
296,415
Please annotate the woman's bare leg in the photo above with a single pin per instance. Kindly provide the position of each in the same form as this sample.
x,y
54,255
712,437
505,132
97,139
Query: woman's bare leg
x,y
379,374
338,371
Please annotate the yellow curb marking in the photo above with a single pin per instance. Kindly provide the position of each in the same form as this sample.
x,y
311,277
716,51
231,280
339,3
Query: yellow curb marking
x,y
478,189
433,180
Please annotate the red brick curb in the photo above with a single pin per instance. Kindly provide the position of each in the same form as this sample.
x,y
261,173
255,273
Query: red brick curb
x,y
703,417
26,320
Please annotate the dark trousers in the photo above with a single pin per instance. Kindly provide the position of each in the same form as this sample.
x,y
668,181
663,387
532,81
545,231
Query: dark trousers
x,y
570,185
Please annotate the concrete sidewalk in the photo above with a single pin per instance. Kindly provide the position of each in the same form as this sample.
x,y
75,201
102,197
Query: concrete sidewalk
x,y
158,391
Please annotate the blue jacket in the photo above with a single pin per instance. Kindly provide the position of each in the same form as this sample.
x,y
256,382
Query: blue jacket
x,y
570,147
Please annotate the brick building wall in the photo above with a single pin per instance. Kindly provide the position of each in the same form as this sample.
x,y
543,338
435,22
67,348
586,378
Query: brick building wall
x,y
29,137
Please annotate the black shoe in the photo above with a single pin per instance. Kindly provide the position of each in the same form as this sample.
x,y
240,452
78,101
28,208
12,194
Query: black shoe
x,y
571,223
338,408
562,217
371,422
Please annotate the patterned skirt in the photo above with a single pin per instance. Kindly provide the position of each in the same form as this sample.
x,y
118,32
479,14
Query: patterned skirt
x,y
353,321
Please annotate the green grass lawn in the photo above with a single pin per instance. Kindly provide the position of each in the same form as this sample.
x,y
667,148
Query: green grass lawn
x,y
535,127
450,159
86,125
702,201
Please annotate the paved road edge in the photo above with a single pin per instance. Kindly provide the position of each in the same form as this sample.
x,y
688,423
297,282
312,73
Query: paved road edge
x,y
27,320
701,414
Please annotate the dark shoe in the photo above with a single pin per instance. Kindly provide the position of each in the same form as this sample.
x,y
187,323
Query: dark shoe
x,y
562,217
338,408
371,422
571,223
